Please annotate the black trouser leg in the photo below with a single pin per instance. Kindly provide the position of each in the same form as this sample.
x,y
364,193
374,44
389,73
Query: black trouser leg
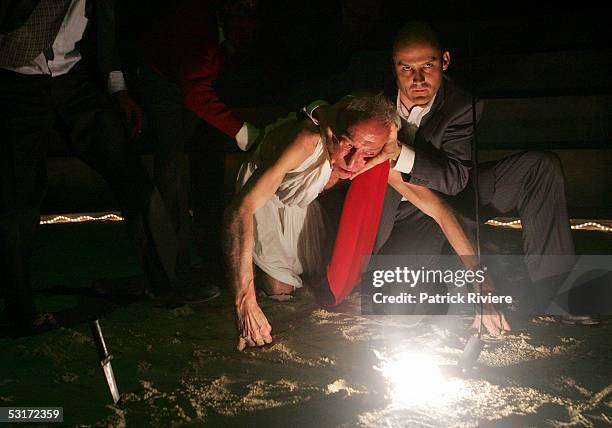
x,y
17,236
171,125
26,117
407,238
207,152
97,137
532,185
404,229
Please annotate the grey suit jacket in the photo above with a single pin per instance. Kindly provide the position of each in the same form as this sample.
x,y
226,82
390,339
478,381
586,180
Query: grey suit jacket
x,y
443,144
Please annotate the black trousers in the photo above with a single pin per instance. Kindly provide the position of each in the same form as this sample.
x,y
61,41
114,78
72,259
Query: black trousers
x,y
30,107
528,184
189,170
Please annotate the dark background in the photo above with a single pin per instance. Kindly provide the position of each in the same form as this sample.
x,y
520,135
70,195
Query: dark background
x,y
301,42
543,69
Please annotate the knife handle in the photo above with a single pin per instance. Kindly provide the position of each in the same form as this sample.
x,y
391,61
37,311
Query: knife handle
x,y
96,330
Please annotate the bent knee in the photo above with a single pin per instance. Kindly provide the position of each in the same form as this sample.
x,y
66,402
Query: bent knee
x,y
545,158
545,162
278,287
271,285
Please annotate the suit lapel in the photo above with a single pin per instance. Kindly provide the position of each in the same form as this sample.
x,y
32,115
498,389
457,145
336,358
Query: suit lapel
x,y
437,105
432,119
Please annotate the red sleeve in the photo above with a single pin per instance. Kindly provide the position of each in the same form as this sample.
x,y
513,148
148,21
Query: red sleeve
x,y
198,63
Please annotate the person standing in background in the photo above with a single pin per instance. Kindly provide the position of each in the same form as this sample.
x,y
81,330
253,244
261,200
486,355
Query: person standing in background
x,y
59,65
183,55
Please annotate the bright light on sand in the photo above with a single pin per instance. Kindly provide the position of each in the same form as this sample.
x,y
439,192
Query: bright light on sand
x,y
415,379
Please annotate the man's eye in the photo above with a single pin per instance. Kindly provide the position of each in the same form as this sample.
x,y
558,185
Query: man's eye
x,y
406,68
428,65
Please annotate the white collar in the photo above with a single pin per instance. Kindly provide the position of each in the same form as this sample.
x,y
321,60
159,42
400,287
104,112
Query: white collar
x,y
418,111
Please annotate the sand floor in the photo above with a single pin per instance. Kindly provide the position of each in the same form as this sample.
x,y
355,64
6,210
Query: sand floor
x,y
179,367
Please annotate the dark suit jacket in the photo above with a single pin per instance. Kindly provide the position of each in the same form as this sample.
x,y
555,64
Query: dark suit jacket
x,y
99,43
443,144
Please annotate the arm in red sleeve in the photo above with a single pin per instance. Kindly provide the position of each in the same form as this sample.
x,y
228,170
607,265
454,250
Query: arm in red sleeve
x,y
198,63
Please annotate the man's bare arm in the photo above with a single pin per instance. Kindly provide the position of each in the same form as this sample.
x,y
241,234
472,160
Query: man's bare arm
x,y
432,205
238,239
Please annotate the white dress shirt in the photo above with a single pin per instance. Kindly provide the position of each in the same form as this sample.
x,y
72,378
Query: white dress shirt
x,y
65,53
405,161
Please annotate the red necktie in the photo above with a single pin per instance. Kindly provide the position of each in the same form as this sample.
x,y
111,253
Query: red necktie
x,y
357,231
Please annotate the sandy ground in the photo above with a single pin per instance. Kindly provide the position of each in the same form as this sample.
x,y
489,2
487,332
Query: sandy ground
x,y
179,367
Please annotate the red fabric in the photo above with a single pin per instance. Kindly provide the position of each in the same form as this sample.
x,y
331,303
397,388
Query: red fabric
x,y
357,231
189,49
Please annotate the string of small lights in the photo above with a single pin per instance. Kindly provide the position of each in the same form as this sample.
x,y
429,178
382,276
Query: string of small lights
x,y
587,225
515,224
79,219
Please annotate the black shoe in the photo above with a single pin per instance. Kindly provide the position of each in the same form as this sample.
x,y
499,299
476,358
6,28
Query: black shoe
x,y
120,287
569,319
41,323
200,294
579,320
196,286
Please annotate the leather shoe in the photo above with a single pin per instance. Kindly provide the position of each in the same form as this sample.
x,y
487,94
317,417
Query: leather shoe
x,y
570,319
200,294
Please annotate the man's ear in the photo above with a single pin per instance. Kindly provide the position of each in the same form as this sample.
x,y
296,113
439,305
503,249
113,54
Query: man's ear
x,y
445,60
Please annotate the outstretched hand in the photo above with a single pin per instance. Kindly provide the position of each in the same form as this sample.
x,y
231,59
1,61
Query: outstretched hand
x,y
390,150
253,326
491,317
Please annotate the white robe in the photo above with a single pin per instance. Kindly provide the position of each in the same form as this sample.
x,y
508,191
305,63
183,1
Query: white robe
x,y
289,228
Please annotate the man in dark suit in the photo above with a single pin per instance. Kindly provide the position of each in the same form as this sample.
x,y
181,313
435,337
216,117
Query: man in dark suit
x,y
184,56
49,50
434,149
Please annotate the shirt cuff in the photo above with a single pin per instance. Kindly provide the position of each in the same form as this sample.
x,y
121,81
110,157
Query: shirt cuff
x,y
405,161
246,136
116,82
